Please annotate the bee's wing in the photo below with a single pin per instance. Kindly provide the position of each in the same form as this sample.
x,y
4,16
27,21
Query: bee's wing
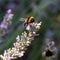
x,y
22,19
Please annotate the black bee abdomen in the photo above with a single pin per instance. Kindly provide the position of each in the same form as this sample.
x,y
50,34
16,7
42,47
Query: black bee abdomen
x,y
49,53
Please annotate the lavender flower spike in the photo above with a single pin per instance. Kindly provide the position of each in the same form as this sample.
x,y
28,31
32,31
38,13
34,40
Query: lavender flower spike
x,y
23,41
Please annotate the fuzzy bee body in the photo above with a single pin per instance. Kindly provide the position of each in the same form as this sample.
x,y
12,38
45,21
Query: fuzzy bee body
x,y
48,53
30,19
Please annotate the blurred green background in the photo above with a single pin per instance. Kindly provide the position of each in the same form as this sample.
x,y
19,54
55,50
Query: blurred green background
x,y
47,11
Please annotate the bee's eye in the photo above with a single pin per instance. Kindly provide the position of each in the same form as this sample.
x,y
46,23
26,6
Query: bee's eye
x,y
32,20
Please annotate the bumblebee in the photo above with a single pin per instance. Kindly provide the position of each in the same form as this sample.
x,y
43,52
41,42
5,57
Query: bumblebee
x,y
29,19
48,53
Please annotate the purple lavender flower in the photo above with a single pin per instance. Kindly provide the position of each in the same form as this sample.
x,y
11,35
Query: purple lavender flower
x,y
18,38
9,11
3,26
21,54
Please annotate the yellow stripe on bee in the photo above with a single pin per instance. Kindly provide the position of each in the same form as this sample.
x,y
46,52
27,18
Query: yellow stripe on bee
x,y
30,19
